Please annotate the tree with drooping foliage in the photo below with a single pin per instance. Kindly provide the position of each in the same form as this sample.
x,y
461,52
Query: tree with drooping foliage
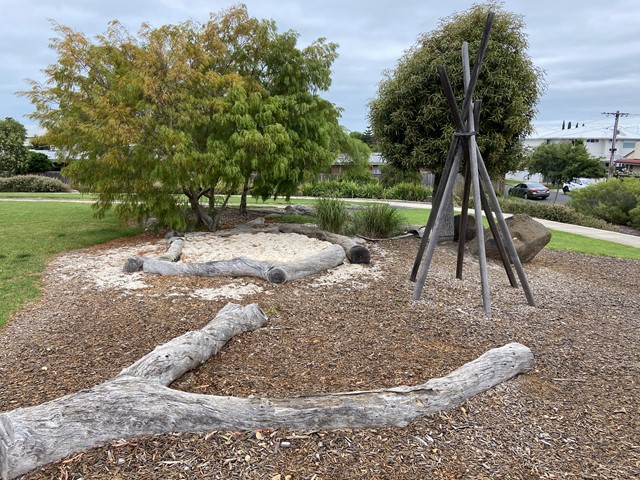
x,y
189,111
410,116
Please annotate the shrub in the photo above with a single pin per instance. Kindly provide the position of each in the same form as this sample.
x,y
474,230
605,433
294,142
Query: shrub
x,y
32,183
376,221
38,162
615,201
556,213
392,175
412,192
371,190
331,214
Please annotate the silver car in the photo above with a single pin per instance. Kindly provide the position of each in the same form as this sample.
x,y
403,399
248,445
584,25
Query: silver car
x,y
530,190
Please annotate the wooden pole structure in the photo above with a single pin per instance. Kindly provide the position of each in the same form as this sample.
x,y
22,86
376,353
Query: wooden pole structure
x,y
475,182
464,145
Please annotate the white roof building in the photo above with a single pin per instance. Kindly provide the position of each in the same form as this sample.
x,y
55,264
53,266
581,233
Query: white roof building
x,y
597,138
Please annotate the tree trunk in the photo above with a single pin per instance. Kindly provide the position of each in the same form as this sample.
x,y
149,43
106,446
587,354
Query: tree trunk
x,y
276,272
138,402
446,210
355,252
243,197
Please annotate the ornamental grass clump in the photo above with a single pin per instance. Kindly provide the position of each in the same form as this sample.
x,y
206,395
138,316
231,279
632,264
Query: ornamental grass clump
x,y
376,221
331,214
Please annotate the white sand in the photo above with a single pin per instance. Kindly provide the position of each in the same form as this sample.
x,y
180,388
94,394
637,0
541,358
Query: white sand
x,y
103,270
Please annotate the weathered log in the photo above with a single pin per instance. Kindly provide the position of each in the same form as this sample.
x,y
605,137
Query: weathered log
x,y
273,272
355,252
34,436
174,251
131,406
176,244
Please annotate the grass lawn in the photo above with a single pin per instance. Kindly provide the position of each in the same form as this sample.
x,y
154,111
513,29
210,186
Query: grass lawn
x,y
31,233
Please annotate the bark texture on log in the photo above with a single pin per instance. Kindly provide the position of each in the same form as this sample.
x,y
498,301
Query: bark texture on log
x,y
274,272
355,252
137,403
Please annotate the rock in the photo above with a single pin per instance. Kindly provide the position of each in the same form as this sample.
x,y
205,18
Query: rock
x,y
133,264
299,210
471,228
529,237
256,221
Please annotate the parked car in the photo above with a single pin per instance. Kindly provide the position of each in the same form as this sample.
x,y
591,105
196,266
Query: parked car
x,y
531,190
576,183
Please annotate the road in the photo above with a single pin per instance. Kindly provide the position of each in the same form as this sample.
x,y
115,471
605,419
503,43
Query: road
x,y
561,198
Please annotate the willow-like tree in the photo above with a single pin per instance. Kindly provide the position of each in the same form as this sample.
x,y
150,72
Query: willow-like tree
x,y
193,111
410,117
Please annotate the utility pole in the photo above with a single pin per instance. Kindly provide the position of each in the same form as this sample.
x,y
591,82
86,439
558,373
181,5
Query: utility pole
x,y
613,140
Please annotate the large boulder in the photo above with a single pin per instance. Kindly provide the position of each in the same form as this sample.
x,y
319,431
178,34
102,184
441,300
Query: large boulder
x,y
470,232
529,237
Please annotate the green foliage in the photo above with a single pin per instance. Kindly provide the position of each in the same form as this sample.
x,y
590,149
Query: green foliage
x,y
410,117
376,221
616,201
187,110
38,162
343,189
556,213
354,160
408,191
371,190
560,162
392,175
14,156
331,214
348,189
32,183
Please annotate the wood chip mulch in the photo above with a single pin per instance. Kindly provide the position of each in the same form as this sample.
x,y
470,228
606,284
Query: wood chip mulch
x,y
575,415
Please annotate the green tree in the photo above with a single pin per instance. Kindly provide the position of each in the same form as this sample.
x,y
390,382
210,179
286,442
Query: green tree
x,y
14,156
190,111
560,162
410,117
38,162
354,159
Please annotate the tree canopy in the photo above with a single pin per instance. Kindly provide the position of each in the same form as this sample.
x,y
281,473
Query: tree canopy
x,y
560,162
410,117
189,110
14,156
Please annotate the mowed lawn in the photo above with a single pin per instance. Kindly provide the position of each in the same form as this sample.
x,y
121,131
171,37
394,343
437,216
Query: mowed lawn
x,y
32,232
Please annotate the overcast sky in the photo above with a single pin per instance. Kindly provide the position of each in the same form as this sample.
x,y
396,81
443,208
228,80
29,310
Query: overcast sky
x,y
590,50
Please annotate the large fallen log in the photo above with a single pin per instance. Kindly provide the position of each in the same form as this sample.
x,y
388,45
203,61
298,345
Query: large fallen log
x,y
138,402
274,272
355,252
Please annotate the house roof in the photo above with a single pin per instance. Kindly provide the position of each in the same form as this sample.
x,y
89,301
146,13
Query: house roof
x,y
587,131
628,161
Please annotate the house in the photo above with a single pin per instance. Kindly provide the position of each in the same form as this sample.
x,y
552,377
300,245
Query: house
x,y
597,139
630,163
375,165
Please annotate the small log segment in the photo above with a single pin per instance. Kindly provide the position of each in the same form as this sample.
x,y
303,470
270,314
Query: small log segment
x,y
276,272
355,252
138,401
